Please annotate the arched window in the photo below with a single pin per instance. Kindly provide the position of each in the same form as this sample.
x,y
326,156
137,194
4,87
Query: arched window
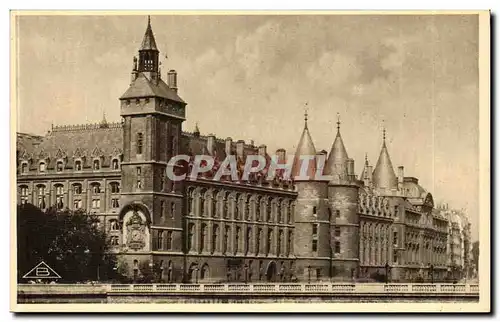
x,y
191,236
42,167
160,240
290,242
203,237
23,193
139,143
202,205
115,187
279,243
59,196
172,209
59,166
258,242
162,208
41,196
169,240
269,241
248,239
78,165
227,234
215,238
115,165
113,225
96,164
278,212
237,241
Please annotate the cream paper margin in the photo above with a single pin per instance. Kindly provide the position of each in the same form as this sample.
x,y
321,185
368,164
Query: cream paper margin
x,y
484,187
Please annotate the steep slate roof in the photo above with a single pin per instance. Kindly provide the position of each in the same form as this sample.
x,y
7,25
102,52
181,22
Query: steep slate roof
x,y
337,160
384,175
143,87
305,147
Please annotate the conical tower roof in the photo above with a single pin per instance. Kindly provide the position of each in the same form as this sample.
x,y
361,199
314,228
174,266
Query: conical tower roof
x,y
384,175
304,148
149,42
337,159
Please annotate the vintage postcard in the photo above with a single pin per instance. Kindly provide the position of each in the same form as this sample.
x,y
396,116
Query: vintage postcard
x,y
250,161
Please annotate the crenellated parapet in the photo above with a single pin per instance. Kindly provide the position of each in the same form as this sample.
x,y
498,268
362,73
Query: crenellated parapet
x,y
85,127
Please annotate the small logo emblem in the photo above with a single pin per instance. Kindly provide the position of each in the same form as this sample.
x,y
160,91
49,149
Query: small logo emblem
x,y
42,270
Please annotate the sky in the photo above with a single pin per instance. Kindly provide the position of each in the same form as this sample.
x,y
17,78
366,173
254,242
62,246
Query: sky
x,y
249,77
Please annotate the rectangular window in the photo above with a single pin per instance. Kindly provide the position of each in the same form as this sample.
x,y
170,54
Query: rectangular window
x,y
395,238
139,184
315,245
115,203
77,204
315,229
139,143
337,247
96,203
337,213
160,240
337,231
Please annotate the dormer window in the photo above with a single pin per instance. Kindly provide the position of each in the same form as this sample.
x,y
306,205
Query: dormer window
x,y
59,166
96,165
115,165
42,167
78,165
96,188
24,167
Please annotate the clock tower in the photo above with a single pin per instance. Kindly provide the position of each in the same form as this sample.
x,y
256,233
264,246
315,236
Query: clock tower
x,y
151,205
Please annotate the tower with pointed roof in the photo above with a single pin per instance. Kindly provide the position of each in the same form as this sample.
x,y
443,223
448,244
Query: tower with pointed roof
x,y
153,114
384,177
343,210
312,228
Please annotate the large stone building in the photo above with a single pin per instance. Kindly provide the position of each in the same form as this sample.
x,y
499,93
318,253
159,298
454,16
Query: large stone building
x,y
342,228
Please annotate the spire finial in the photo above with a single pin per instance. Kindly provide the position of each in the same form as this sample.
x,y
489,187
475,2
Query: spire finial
x,y
149,20
338,121
383,130
305,114
366,157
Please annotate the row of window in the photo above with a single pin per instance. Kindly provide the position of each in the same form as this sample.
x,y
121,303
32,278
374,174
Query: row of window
x,y
164,240
203,205
261,245
60,166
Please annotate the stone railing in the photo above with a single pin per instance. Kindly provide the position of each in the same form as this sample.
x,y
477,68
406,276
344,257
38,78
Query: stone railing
x,y
361,288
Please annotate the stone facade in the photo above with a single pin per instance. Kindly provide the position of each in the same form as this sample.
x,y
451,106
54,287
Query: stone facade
x,y
343,228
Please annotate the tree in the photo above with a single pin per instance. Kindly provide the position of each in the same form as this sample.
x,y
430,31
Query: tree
x,y
70,242
475,254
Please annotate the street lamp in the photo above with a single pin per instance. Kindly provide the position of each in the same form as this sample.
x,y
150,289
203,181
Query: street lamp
x,y
309,273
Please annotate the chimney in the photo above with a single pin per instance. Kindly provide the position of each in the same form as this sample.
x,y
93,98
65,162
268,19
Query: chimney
x,y
401,176
350,168
240,144
210,143
262,150
229,143
281,154
172,79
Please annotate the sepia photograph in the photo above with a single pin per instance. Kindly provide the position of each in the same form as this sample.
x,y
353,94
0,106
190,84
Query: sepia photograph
x,y
288,161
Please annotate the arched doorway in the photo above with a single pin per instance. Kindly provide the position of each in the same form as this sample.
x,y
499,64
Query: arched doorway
x,y
271,272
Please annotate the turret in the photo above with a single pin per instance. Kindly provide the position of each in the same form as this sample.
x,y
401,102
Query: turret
x,y
384,178
338,160
312,229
